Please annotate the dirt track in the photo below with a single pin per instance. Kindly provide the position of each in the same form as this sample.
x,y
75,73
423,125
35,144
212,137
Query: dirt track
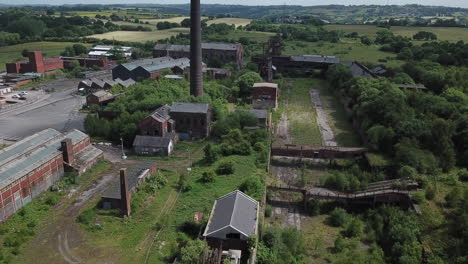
x,y
322,119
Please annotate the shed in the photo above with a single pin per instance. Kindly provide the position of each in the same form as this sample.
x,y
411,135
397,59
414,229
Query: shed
x,y
99,98
154,146
233,219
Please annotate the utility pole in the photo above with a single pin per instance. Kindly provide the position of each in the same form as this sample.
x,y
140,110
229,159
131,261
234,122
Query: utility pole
x,y
123,152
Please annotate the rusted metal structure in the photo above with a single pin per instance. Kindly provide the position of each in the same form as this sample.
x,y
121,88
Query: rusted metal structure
x,y
196,76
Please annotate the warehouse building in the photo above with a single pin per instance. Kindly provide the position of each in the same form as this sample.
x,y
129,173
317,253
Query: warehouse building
x,y
36,63
30,166
265,95
100,51
212,52
192,120
148,68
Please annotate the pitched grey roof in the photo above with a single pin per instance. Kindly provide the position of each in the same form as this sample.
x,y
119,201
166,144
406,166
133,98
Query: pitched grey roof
x,y
151,142
113,191
190,108
102,94
265,84
167,64
126,83
258,113
186,48
236,210
316,58
135,64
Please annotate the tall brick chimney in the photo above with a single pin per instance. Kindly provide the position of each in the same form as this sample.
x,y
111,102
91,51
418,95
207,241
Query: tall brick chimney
x,y
124,193
37,62
67,150
196,76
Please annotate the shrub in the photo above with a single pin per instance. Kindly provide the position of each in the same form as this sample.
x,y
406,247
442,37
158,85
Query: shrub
x,y
430,193
419,197
183,183
268,210
87,217
313,207
208,176
463,175
338,217
354,228
252,186
225,167
210,154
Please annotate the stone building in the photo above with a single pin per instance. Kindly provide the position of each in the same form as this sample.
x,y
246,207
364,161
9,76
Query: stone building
x,y
192,120
265,95
212,52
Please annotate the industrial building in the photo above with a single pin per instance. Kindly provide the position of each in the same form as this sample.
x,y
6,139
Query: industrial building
x,y
211,52
148,68
99,51
92,85
130,179
260,114
192,120
101,98
233,219
30,166
36,63
265,95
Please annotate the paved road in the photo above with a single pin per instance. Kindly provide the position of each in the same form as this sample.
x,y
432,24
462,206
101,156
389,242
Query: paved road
x,y
60,110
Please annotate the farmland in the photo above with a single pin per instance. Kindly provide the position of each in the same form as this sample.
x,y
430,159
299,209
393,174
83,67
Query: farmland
x,y
13,53
443,33
138,36
228,20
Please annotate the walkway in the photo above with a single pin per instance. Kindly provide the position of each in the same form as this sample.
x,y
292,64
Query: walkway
x,y
322,120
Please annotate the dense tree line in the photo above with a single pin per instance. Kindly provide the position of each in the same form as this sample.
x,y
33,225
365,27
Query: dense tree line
x,y
422,130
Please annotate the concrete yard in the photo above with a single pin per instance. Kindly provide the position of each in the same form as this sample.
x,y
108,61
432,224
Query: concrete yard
x,y
58,110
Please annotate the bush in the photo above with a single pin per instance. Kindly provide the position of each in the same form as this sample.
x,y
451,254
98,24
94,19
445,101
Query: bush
x,y
463,175
183,183
430,193
208,176
338,217
418,197
313,207
268,210
354,228
210,154
87,217
225,168
253,187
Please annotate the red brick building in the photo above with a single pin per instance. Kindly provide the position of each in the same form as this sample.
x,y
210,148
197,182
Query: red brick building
x,y
265,95
158,124
36,63
30,166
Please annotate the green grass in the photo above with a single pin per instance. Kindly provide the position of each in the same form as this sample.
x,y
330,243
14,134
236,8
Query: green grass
x,y
231,20
347,50
33,217
302,118
140,36
443,33
50,49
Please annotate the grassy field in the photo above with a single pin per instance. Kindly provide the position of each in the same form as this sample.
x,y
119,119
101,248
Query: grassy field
x,y
347,50
231,20
138,36
443,33
13,53
178,19
121,13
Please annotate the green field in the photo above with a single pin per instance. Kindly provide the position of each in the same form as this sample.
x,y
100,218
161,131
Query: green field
x,y
347,50
139,36
231,20
121,13
178,19
13,53
443,33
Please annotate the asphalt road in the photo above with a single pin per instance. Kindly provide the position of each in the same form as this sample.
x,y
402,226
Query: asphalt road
x,y
59,110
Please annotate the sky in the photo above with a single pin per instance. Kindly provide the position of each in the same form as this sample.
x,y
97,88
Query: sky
x,y
451,3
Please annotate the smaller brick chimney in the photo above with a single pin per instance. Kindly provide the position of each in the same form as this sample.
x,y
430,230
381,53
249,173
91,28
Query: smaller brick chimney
x,y
37,62
124,193
67,149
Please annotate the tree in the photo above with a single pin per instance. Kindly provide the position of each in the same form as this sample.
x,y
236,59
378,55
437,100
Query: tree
x,y
25,53
225,167
338,217
354,228
366,40
79,49
208,176
252,186
245,83
185,23
210,154
191,253
442,132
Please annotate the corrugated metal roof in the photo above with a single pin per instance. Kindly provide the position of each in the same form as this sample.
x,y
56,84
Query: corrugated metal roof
x,y
135,64
190,108
32,152
162,113
237,210
182,62
316,58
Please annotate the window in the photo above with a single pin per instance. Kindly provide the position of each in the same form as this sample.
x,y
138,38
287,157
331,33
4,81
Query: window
x,y
233,236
